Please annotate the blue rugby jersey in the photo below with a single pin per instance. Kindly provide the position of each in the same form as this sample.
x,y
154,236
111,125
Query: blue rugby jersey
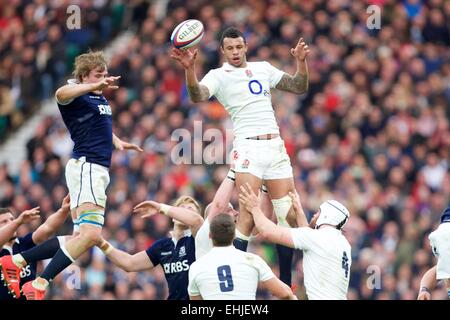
x,y
175,257
89,121
28,273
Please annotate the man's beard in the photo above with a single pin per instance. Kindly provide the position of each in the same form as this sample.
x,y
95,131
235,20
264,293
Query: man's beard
x,y
13,239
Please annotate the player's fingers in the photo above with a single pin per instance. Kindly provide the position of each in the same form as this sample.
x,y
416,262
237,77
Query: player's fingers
x,y
136,147
244,191
113,87
154,204
141,205
249,188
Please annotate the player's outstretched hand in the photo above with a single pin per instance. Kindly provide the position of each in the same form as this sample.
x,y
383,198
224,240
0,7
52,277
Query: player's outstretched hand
x,y
248,198
185,57
122,145
107,83
29,215
301,50
147,208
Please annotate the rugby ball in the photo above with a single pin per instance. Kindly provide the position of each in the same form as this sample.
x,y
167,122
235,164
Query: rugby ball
x,y
187,34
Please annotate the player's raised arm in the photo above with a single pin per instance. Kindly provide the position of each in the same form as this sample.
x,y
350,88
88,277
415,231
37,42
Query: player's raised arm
x,y
69,92
53,223
266,228
187,216
297,83
222,197
125,261
197,92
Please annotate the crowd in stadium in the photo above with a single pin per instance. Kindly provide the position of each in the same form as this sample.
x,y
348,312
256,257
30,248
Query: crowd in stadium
x,y
373,131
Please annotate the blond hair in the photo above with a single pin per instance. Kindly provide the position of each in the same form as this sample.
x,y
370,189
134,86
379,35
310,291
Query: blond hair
x,y
87,62
188,200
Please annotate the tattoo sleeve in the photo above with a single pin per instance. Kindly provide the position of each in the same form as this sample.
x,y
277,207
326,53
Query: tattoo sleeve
x,y
198,93
297,83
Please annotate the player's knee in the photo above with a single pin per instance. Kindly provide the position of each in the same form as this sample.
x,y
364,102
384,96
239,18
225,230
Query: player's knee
x,y
91,223
91,236
282,207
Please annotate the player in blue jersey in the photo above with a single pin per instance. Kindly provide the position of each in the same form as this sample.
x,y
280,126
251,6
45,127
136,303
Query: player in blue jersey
x,y
88,117
174,253
11,244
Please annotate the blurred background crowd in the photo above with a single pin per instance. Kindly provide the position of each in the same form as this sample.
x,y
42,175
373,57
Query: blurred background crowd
x,y
372,131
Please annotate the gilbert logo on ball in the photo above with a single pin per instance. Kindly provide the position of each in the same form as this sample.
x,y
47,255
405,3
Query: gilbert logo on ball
x,y
187,34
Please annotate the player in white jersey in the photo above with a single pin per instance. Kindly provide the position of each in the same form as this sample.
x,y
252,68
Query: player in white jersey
x,y
243,88
440,244
221,204
326,252
225,273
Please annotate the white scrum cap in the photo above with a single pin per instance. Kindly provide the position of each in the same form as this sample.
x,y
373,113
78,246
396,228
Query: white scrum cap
x,y
333,213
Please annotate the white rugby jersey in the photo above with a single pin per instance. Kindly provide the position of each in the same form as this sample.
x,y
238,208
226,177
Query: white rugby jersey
x,y
225,273
203,242
440,243
326,262
245,94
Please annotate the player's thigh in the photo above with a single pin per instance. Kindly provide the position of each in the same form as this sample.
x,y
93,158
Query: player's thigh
x,y
278,188
244,178
245,220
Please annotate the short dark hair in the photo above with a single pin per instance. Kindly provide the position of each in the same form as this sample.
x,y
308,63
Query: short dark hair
x,y
231,32
222,230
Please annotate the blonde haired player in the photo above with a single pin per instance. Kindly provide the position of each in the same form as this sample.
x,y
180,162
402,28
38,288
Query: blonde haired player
x,y
225,273
243,88
88,117
326,252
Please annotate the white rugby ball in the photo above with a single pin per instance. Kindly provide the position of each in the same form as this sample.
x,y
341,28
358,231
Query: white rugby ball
x,y
187,34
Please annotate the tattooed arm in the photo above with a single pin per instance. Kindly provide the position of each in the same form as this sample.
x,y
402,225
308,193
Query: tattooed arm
x,y
197,92
298,83
186,58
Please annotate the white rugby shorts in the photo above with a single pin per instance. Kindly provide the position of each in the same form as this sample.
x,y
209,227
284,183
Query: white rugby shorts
x,y
87,182
265,159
